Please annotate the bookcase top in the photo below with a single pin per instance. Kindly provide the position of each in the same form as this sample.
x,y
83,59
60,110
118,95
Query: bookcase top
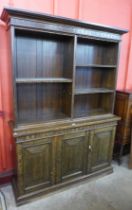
x,y
9,12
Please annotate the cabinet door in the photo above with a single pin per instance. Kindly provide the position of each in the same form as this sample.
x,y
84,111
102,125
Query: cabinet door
x,y
72,155
36,164
101,147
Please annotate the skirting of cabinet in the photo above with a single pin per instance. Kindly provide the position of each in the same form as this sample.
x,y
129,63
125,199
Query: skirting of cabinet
x,y
39,193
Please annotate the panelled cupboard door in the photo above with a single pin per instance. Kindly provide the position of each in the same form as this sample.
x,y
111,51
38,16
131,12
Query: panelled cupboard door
x,y
101,146
38,164
72,156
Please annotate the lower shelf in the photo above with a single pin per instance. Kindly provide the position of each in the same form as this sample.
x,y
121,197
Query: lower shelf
x,y
43,102
93,104
92,112
30,196
50,116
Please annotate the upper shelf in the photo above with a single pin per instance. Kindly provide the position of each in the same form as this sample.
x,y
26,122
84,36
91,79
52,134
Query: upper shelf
x,y
43,80
97,66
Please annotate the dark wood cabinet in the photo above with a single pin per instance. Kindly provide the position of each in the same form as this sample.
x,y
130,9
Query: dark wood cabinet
x,y
48,160
64,74
36,164
101,146
72,155
123,108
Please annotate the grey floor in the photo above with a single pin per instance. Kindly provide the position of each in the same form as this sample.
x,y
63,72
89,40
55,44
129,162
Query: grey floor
x,y
112,192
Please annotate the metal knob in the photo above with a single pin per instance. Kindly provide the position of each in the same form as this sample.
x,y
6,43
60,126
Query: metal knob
x,y
73,124
90,148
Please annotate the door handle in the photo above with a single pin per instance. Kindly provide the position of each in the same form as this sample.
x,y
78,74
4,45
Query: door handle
x,y
90,148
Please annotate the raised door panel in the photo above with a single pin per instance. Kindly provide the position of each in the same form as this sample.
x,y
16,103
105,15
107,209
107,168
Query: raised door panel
x,y
72,156
38,164
101,146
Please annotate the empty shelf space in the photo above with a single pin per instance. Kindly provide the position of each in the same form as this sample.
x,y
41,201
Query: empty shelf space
x,y
92,90
43,80
92,112
93,104
43,117
96,54
43,102
96,66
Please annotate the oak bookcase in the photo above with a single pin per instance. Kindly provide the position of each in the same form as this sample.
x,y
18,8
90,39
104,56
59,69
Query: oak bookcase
x,y
64,76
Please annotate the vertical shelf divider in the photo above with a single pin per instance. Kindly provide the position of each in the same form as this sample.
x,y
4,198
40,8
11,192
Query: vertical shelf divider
x,y
73,76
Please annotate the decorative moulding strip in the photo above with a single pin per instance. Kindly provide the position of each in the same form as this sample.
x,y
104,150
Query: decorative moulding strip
x,y
41,136
34,135
36,128
58,27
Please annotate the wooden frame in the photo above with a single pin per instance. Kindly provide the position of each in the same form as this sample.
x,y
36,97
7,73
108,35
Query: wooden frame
x,y
64,74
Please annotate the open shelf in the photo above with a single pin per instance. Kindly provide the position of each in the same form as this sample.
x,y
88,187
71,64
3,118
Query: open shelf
x,y
92,91
94,79
43,102
43,80
94,53
93,104
44,76
43,55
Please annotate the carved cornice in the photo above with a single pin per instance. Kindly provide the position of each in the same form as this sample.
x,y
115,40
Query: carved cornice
x,y
24,14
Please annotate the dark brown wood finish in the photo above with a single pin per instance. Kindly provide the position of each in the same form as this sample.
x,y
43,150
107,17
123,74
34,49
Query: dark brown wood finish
x,y
87,77
64,85
101,148
40,172
44,101
72,146
74,154
45,63
123,106
104,52
93,103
